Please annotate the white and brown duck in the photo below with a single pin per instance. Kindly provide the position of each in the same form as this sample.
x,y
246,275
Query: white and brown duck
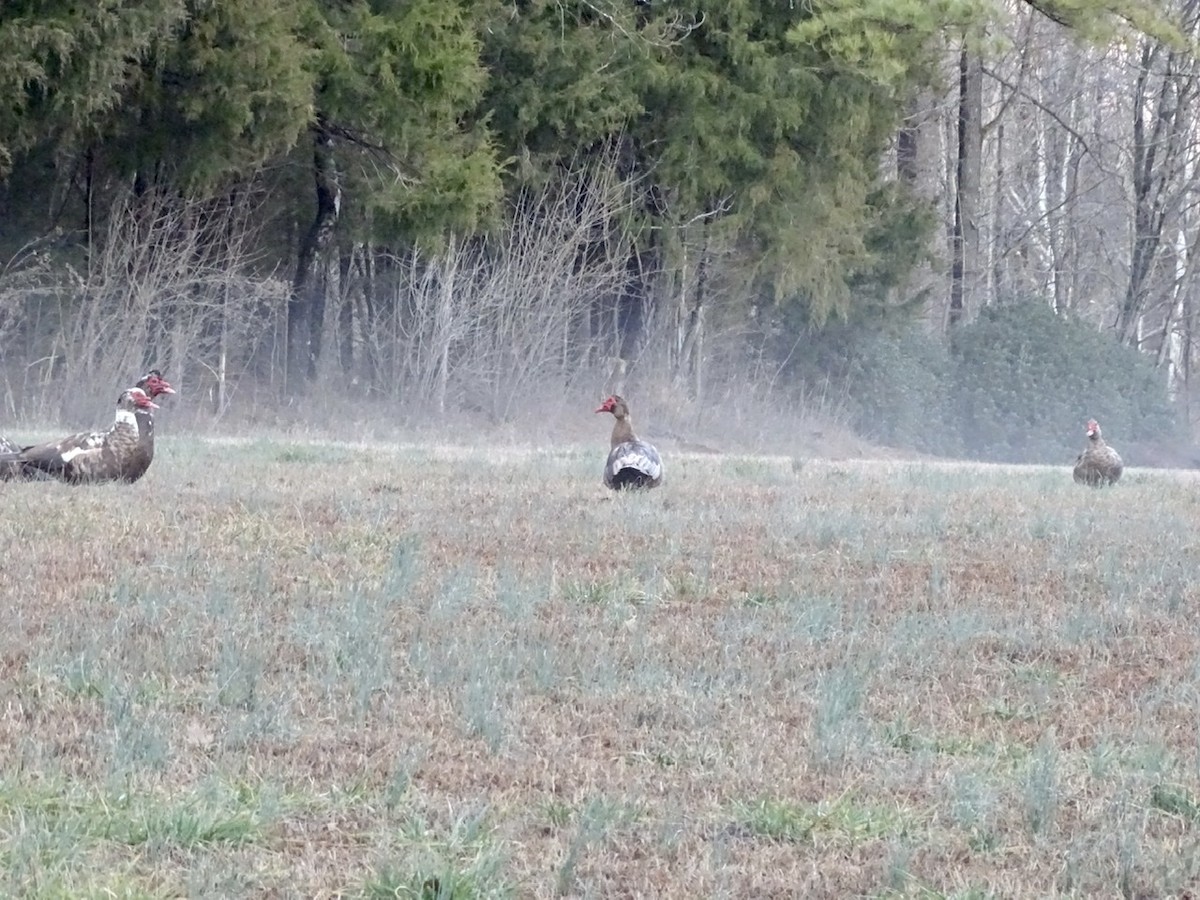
x,y
123,453
152,384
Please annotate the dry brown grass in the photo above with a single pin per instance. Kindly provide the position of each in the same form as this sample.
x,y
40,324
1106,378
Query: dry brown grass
x,y
310,670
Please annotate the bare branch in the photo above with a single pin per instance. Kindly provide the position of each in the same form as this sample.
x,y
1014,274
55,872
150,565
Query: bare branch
x,y
1019,90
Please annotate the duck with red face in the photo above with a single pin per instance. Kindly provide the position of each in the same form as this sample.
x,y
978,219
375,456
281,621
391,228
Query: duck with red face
x,y
1099,464
631,463
124,452
152,384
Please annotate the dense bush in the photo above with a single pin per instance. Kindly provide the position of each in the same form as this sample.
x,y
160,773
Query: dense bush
x,y
898,388
1026,380
1016,385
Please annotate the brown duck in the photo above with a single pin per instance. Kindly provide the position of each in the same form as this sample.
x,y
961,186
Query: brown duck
x,y
152,384
1099,464
122,454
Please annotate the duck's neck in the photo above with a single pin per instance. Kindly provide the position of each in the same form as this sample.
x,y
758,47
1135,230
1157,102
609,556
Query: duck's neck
x,y
622,431
145,425
125,425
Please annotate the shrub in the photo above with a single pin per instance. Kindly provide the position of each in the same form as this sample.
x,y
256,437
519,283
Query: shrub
x,y
1015,385
1025,380
888,380
898,386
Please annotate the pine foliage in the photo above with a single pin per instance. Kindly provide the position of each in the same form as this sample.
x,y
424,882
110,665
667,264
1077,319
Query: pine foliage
x,y
753,129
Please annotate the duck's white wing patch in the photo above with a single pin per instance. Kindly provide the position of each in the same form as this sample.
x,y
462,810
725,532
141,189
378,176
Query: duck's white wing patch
x,y
635,455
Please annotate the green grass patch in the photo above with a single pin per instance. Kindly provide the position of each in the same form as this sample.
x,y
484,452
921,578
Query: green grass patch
x,y
843,820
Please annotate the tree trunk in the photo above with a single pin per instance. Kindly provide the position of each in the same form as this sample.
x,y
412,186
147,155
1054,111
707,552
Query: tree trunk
x,y
221,392
1144,239
996,287
443,326
691,355
306,306
1162,137
1071,215
697,324
346,310
908,142
330,290
89,202
964,272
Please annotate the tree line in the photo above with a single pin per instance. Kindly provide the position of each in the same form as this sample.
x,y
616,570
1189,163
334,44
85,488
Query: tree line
x,y
441,199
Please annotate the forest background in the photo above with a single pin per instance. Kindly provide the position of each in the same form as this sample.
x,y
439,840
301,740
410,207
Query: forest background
x,y
960,226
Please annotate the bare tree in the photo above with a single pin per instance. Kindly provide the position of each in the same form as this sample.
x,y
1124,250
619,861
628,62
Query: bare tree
x,y
165,286
496,323
964,244
311,284
1163,139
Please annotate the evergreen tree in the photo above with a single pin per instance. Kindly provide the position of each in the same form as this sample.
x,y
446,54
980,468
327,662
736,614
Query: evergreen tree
x,y
63,65
743,116
372,99
393,86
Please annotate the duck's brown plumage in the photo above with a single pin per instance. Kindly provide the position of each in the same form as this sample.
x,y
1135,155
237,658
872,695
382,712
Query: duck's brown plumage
x,y
123,454
152,384
1099,464
631,463
10,468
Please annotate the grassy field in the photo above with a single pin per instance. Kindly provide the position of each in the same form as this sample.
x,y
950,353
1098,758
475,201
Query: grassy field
x,y
275,669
